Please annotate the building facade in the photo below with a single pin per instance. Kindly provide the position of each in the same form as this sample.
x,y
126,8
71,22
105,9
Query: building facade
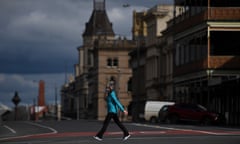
x,y
195,58
158,60
111,65
151,54
206,54
138,64
103,59
188,52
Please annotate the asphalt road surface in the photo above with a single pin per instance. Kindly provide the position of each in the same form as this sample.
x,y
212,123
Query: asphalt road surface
x,y
82,132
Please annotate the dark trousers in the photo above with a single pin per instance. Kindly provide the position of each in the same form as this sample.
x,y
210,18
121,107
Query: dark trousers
x,y
107,121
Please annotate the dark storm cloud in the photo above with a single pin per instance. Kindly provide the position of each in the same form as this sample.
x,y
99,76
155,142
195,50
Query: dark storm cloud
x,y
41,36
35,57
145,3
38,41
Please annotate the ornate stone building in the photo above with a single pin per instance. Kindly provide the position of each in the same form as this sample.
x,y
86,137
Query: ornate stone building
x,y
193,57
158,61
138,63
103,59
111,66
152,59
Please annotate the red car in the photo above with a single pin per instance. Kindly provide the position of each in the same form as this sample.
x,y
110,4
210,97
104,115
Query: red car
x,y
191,112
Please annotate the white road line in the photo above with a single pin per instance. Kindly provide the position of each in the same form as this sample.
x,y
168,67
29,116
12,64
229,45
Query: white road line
x,y
12,130
187,130
42,126
153,126
39,125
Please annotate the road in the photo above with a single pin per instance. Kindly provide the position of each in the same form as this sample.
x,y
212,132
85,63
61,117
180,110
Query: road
x,y
81,132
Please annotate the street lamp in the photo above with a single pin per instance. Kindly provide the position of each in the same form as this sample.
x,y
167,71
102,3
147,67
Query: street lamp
x,y
56,103
16,99
209,76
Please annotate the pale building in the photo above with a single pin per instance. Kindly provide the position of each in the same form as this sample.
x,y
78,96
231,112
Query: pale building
x,y
158,62
103,58
149,61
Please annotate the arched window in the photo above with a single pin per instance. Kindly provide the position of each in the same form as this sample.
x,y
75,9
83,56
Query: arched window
x,y
115,62
109,62
129,85
112,80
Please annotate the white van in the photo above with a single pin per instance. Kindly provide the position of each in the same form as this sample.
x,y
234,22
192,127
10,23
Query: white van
x,y
152,108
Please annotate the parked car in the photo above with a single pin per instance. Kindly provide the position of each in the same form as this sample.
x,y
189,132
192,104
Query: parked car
x,y
152,108
163,113
192,112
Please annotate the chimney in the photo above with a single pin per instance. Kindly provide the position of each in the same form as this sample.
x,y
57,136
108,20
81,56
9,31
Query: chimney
x,y
41,94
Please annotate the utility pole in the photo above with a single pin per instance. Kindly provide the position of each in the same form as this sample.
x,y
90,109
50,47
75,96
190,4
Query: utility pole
x,y
56,104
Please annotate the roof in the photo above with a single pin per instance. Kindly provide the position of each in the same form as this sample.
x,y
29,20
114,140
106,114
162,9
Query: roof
x,y
98,24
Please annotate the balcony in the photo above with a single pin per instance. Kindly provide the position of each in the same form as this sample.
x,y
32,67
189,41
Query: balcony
x,y
192,67
215,62
190,19
224,62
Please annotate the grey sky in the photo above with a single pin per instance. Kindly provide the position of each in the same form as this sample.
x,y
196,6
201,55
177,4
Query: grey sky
x,y
38,40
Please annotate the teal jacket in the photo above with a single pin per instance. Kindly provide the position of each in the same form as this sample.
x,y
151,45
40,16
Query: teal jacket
x,y
113,103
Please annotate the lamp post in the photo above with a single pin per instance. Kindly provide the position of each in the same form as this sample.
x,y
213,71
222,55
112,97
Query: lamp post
x,y
209,77
138,75
56,109
56,106
16,99
56,103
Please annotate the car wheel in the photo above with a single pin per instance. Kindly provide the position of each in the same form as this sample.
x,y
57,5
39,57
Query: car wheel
x,y
167,120
174,119
153,120
206,121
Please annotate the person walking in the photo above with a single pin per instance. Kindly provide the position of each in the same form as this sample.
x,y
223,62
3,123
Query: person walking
x,y
112,105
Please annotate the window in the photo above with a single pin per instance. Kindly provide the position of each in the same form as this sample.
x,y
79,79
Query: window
x,y
177,55
129,85
115,62
90,58
112,62
187,58
182,54
109,62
